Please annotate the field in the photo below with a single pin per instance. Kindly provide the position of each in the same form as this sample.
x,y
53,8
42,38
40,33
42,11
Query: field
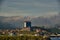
x,y
22,38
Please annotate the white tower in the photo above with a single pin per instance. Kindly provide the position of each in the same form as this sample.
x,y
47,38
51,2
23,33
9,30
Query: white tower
x,y
27,22
24,24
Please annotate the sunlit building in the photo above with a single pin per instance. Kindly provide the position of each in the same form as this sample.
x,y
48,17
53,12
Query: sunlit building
x,y
27,24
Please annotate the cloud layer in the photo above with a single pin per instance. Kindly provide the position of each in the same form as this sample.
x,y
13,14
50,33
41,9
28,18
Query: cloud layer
x,y
29,7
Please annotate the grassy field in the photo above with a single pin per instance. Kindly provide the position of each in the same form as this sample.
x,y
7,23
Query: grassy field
x,y
22,38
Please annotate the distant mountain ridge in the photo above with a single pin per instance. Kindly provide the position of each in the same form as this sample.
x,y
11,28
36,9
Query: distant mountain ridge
x,y
17,21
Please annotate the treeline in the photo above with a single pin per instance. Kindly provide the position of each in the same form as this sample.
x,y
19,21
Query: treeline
x,y
6,26
22,38
53,30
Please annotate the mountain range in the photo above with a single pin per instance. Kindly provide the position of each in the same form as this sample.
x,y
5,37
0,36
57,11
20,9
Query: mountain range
x,y
18,21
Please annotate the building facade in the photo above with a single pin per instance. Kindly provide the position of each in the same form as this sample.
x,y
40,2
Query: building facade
x,y
27,24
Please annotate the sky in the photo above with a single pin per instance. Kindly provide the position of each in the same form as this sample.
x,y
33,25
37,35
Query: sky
x,y
28,7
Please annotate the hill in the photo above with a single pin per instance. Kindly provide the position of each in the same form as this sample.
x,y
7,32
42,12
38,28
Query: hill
x,y
17,21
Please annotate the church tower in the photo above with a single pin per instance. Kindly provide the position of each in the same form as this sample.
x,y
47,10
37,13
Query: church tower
x,y
27,22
